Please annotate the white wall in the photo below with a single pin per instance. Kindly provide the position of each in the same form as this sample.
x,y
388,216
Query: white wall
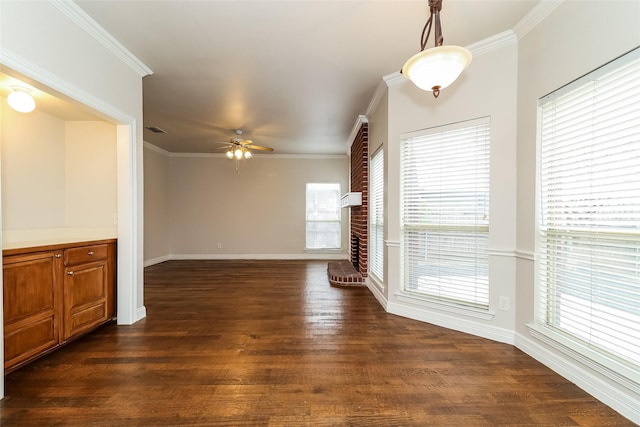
x,y
378,118
550,57
91,198
60,50
57,176
258,213
33,169
505,84
486,89
157,227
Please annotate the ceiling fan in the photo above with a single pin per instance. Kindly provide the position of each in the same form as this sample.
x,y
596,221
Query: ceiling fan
x,y
239,148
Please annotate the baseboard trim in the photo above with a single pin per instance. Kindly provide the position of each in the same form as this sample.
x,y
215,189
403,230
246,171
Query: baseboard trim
x,y
308,256
444,320
141,313
622,402
377,293
158,260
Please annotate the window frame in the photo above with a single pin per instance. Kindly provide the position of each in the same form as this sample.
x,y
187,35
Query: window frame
x,y
376,215
459,305
336,220
545,326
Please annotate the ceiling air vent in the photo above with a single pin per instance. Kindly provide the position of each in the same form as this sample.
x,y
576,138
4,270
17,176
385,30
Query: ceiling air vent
x,y
155,129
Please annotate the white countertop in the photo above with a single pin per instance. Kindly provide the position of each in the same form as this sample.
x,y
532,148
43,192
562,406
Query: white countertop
x,y
16,239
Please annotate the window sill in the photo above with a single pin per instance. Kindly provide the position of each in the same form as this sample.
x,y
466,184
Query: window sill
x,y
615,370
425,301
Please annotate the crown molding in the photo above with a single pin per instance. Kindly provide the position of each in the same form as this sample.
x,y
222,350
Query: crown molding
x,y
539,12
46,78
303,156
394,79
481,47
356,128
262,156
155,148
381,89
492,43
164,152
88,24
526,24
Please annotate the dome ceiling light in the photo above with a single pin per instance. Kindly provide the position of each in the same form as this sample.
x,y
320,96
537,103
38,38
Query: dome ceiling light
x,y
436,68
20,99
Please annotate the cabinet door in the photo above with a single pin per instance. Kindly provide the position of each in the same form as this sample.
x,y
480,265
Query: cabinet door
x,y
30,306
85,297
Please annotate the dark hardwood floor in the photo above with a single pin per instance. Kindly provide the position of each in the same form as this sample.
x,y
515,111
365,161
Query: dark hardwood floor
x,y
271,343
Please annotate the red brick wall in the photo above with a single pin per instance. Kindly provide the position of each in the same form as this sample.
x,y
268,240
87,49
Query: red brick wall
x,y
360,183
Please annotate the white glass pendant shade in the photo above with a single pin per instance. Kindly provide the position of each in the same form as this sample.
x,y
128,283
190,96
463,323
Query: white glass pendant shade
x,y
247,154
238,153
436,68
21,101
229,154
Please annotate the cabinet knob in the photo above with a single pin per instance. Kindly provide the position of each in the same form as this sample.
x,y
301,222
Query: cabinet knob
x,y
90,253
58,255
69,273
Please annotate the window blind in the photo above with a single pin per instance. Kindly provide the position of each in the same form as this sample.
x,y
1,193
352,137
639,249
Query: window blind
x,y
323,216
445,213
376,214
588,240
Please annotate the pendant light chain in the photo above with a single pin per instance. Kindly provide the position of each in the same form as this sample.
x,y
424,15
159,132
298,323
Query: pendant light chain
x,y
435,7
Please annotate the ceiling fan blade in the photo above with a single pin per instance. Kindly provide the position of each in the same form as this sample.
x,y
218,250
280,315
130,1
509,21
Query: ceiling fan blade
x,y
258,147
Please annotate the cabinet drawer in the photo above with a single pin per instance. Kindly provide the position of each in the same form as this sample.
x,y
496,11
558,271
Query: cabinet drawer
x,y
85,254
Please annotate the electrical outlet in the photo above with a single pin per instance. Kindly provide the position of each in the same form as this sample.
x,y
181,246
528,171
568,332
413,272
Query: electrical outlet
x,y
504,303
219,245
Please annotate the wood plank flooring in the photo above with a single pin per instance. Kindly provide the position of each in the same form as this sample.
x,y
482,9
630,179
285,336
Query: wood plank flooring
x,y
271,343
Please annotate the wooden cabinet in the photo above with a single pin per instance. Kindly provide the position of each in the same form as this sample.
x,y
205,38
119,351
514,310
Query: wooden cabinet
x,y
86,283
31,305
53,294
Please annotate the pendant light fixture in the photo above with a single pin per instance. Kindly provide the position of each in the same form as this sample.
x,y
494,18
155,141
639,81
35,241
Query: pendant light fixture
x,y
20,99
436,68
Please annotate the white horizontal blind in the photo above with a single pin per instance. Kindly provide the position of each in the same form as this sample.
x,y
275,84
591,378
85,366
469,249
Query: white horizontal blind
x,y
323,216
445,213
588,240
376,214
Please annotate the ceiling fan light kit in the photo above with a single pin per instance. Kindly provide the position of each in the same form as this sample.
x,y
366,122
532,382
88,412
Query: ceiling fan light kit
x,y
240,149
239,153
436,68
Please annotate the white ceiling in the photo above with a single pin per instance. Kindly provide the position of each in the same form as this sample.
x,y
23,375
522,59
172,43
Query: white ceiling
x,y
294,75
